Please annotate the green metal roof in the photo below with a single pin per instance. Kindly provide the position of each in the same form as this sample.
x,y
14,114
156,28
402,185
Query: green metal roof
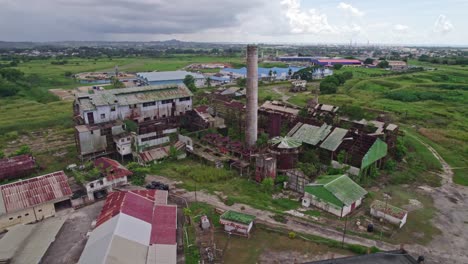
x,y
333,141
312,135
285,142
237,217
133,95
341,187
376,152
323,194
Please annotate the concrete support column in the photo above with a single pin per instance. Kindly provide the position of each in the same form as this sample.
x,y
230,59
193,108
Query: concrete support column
x,y
252,96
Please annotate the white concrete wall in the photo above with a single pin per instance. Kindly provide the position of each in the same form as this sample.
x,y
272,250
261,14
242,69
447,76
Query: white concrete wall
x,y
389,218
309,200
94,186
159,110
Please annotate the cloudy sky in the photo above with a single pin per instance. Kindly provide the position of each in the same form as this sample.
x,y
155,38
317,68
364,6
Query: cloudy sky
x,y
277,21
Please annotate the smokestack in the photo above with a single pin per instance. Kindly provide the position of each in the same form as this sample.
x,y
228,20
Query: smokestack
x,y
252,95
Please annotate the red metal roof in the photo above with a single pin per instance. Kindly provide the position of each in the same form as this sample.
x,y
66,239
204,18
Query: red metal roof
x,y
111,168
142,205
164,225
14,167
201,109
31,192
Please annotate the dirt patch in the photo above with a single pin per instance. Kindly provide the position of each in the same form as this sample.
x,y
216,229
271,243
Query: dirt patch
x,y
270,257
65,95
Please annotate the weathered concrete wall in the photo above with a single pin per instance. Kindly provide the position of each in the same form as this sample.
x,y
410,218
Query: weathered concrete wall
x,y
252,96
26,216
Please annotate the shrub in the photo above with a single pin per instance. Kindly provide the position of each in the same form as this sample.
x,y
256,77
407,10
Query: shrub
x,y
267,185
292,235
390,165
328,87
358,249
279,218
229,201
25,149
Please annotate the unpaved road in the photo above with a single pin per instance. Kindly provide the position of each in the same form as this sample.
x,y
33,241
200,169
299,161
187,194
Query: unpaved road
x,y
71,239
451,201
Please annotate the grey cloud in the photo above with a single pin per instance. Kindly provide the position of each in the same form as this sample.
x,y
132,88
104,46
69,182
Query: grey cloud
x,y
93,19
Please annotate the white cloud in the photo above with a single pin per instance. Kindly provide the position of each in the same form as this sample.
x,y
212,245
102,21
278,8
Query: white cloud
x,y
352,10
400,28
300,21
442,25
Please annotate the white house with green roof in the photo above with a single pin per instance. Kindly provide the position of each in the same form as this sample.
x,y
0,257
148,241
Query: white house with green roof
x,y
336,194
237,223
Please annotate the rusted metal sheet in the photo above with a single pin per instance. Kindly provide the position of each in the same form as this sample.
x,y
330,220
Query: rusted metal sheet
x,y
16,167
28,193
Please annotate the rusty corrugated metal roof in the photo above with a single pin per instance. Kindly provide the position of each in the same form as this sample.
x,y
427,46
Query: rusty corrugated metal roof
x,y
14,167
111,168
31,192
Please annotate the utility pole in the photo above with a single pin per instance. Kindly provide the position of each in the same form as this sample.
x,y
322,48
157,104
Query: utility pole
x,y
386,197
344,230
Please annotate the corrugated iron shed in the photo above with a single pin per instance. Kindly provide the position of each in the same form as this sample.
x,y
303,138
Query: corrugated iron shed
x,y
31,192
133,95
312,135
333,141
14,167
111,168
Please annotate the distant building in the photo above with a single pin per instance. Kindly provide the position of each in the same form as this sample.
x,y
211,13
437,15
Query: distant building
x,y
336,194
114,175
277,73
321,73
134,227
389,213
17,167
156,110
398,65
170,78
332,62
298,85
33,199
237,223
321,61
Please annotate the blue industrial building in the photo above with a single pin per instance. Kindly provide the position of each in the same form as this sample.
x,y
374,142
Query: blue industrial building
x,y
169,77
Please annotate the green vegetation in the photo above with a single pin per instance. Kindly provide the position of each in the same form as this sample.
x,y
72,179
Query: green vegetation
x,y
432,103
238,190
189,81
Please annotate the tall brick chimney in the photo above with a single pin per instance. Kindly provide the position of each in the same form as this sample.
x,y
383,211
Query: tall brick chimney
x,y
252,96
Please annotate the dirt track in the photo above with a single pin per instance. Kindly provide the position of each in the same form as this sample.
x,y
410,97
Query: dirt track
x,y
451,201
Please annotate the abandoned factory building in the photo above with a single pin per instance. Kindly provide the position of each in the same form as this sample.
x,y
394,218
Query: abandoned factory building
x,y
100,118
33,199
